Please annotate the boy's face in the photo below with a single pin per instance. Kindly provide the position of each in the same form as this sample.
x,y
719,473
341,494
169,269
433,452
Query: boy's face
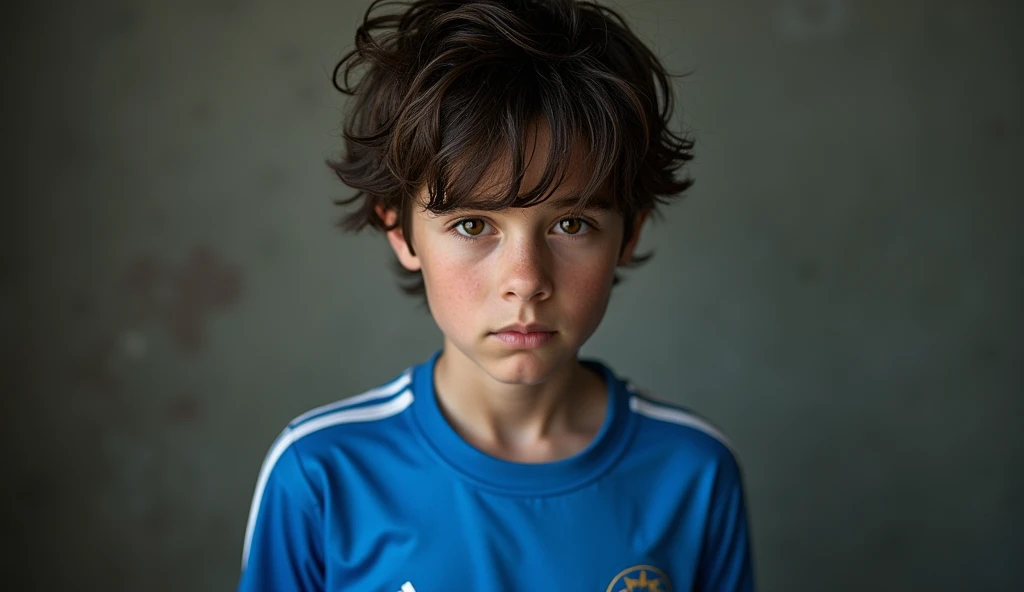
x,y
519,291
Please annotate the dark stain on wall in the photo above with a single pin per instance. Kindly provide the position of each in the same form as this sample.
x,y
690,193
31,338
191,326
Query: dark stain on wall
x,y
205,284
183,299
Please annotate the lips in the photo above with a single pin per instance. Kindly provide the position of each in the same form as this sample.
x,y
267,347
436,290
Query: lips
x,y
524,335
525,328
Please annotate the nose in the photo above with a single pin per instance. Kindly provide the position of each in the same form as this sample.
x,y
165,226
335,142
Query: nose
x,y
525,269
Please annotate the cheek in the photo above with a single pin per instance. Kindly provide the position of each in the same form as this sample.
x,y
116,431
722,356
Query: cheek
x,y
587,284
592,279
454,289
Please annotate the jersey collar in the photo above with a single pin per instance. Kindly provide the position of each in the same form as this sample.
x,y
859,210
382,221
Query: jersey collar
x,y
515,478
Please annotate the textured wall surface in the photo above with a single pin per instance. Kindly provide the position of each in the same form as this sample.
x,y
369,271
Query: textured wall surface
x,y
841,291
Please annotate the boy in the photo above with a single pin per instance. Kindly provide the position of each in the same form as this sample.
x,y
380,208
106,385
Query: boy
x,y
511,151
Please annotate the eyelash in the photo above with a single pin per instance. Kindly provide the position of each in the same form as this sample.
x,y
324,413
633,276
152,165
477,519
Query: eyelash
x,y
588,227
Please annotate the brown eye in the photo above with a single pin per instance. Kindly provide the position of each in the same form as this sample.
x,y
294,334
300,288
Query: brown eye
x,y
571,225
471,227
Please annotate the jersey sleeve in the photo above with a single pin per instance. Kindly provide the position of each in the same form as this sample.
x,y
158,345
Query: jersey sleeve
x,y
283,547
726,564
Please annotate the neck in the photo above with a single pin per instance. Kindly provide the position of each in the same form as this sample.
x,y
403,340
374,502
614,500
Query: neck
x,y
527,423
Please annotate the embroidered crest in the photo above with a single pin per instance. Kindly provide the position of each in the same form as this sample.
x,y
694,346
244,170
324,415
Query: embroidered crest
x,y
640,578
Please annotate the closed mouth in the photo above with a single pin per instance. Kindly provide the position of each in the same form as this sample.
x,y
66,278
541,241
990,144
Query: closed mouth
x,y
525,328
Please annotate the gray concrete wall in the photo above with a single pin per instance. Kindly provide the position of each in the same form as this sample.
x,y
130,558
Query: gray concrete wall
x,y
841,292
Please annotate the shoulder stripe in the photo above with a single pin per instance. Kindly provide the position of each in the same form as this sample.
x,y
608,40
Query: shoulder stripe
x,y
381,392
677,416
292,434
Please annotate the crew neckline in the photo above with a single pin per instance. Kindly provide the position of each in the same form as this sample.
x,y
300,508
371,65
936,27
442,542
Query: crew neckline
x,y
517,478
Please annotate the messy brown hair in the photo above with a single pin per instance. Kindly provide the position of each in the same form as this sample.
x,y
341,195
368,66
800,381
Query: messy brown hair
x,y
444,88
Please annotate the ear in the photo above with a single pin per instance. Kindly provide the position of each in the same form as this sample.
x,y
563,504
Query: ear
x,y
627,250
396,237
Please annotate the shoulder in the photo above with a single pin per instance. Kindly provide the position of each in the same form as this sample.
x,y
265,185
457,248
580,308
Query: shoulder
x,y
378,403
292,475
332,424
676,429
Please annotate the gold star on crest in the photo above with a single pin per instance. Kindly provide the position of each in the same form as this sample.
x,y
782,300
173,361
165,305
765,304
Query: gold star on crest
x,y
642,583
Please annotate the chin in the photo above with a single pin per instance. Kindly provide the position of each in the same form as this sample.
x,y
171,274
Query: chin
x,y
524,368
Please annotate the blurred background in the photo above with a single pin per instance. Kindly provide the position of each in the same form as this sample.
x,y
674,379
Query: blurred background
x,y
841,290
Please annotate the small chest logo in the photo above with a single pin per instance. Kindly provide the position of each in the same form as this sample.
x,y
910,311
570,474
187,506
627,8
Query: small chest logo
x,y
640,578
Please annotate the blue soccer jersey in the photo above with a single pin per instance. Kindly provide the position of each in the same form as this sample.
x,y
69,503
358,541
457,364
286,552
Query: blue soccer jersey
x,y
379,493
